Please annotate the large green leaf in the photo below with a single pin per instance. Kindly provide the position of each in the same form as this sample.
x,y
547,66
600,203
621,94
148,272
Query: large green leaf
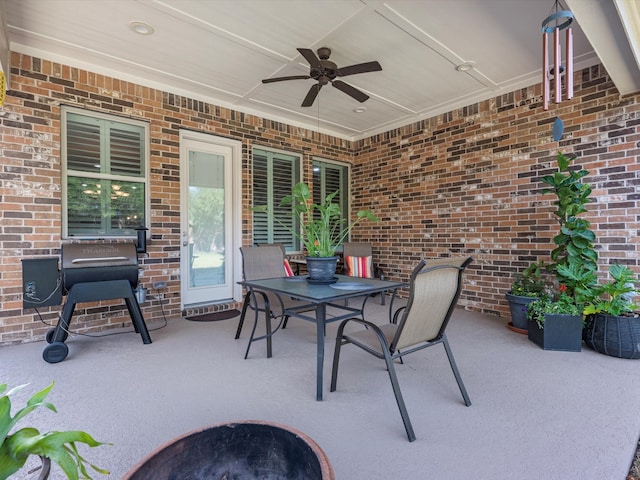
x,y
580,242
563,162
60,447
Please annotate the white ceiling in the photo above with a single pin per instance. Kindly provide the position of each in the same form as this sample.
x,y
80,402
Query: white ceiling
x,y
219,50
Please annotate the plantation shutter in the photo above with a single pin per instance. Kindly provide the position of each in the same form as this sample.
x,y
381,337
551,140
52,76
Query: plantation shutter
x,y
106,176
126,150
329,178
274,175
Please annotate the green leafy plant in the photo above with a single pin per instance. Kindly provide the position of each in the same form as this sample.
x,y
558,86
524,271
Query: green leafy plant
x,y
532,282
574,244
559,304
614,297
575,256
60,447
322,229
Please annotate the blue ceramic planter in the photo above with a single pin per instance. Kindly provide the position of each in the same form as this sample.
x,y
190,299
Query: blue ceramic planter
x,y
518,308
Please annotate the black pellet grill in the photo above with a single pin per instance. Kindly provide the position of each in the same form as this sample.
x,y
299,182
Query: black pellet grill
x,y
91,273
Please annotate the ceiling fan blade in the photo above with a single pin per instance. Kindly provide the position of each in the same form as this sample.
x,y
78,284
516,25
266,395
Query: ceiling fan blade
x,y
359,68
310,57
311,95
351,91
281,79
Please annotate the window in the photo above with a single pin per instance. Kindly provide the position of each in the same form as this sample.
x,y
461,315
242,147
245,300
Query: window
x,y
274,175
105,174
329,177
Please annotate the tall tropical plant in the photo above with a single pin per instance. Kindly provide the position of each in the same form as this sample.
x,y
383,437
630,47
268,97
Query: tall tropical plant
x,y
574,244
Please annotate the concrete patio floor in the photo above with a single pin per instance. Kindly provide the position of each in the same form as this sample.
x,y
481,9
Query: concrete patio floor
x,y
535,415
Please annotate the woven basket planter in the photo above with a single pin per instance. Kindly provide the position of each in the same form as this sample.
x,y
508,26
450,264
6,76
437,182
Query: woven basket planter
x,y
615,336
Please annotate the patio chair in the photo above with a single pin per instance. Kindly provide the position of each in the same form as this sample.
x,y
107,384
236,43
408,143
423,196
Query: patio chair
x,y
260,263
435,286
288,271
358,262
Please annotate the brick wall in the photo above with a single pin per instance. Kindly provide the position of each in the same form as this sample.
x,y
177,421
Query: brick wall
x,y
462,182
467,182
30,196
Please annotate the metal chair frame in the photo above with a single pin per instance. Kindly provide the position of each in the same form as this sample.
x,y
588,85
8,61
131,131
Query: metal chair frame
x,y
390,336
271,302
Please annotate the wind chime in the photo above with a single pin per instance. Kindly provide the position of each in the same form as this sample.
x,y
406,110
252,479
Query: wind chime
x,y
556,22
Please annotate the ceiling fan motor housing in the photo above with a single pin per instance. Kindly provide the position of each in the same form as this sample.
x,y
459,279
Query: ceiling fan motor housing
x,y
329,70
324,53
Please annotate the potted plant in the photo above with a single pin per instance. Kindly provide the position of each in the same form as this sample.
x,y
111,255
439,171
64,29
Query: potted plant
x,y
555,323
321,229
16,447
575,240
613,327
527,286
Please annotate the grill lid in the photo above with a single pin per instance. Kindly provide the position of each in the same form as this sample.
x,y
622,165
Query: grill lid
x,y
83,255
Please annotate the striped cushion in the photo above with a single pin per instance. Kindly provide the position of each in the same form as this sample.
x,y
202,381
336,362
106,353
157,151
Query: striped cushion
x,y
359,266
288,272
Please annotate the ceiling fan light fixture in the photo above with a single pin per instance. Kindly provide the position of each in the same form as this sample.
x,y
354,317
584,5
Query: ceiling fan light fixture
x,y
141,28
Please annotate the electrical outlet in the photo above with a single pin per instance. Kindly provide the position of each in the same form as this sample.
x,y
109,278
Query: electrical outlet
x,y
30,289
159,285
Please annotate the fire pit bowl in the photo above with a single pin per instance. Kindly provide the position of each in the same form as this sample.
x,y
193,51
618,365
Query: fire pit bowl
x,y
250,449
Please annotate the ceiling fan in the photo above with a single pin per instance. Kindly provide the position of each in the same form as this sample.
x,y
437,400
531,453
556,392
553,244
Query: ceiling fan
x,y
324,71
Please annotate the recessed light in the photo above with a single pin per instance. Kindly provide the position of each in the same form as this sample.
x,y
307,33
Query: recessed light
x,y
360,109
466,66
141,28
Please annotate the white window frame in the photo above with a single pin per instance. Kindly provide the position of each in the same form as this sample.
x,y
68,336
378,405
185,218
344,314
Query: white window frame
x,y
66,172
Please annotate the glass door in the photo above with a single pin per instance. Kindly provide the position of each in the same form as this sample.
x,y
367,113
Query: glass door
x,y
207,240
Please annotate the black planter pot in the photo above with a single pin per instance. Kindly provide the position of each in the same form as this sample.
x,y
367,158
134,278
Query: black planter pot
x,y
616,336
560,332
518,307
322,269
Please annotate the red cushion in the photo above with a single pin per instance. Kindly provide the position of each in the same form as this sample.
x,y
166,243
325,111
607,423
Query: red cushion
x,y
288,272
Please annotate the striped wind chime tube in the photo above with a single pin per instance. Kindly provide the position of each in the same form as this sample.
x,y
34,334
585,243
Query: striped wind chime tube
x,y
554,24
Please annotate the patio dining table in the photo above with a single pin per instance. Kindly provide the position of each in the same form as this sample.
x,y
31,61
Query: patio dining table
x,y
322,296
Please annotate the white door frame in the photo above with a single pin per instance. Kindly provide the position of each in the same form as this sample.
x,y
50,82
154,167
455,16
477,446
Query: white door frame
x,y
236,205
